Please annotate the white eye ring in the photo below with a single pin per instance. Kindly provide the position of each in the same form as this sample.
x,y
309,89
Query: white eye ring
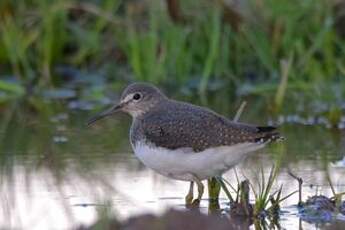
x,y
137,96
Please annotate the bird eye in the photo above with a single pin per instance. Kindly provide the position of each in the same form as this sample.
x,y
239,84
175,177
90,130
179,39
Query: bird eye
x,y
136,96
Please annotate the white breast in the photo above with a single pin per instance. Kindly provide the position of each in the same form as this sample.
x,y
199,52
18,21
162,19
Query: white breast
x,y
182,163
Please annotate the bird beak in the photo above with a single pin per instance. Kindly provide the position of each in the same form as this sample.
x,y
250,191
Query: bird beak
x,y
104,114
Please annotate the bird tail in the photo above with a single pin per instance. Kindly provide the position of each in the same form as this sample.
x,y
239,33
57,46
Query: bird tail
x,y
268,134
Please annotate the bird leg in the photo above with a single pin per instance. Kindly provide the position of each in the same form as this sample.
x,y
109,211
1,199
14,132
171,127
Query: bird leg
x,y
200,190
189,197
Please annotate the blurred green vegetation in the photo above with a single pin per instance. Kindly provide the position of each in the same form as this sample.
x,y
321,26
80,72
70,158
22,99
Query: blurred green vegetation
x,y
287,53
280,50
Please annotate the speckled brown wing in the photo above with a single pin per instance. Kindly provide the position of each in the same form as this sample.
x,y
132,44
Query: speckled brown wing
x,y
189,126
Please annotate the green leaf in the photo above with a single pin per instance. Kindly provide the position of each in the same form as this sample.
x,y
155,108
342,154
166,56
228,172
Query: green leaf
x,y
11,87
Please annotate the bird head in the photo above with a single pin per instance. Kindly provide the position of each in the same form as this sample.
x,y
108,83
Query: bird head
x,y
136,100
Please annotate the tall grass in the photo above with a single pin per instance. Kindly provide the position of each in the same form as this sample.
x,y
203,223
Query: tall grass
x,y
203,48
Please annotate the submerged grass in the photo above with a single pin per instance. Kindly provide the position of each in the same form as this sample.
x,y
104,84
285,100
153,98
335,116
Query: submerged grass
x,y
265,199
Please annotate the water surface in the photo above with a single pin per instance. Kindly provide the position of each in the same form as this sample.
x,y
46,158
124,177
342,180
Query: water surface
x,y
57,173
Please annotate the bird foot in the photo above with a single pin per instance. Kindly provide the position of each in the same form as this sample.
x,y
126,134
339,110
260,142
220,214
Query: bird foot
x,y
189,199
196,202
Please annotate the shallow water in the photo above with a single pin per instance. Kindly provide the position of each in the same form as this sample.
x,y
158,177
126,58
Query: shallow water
x,y
56,173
